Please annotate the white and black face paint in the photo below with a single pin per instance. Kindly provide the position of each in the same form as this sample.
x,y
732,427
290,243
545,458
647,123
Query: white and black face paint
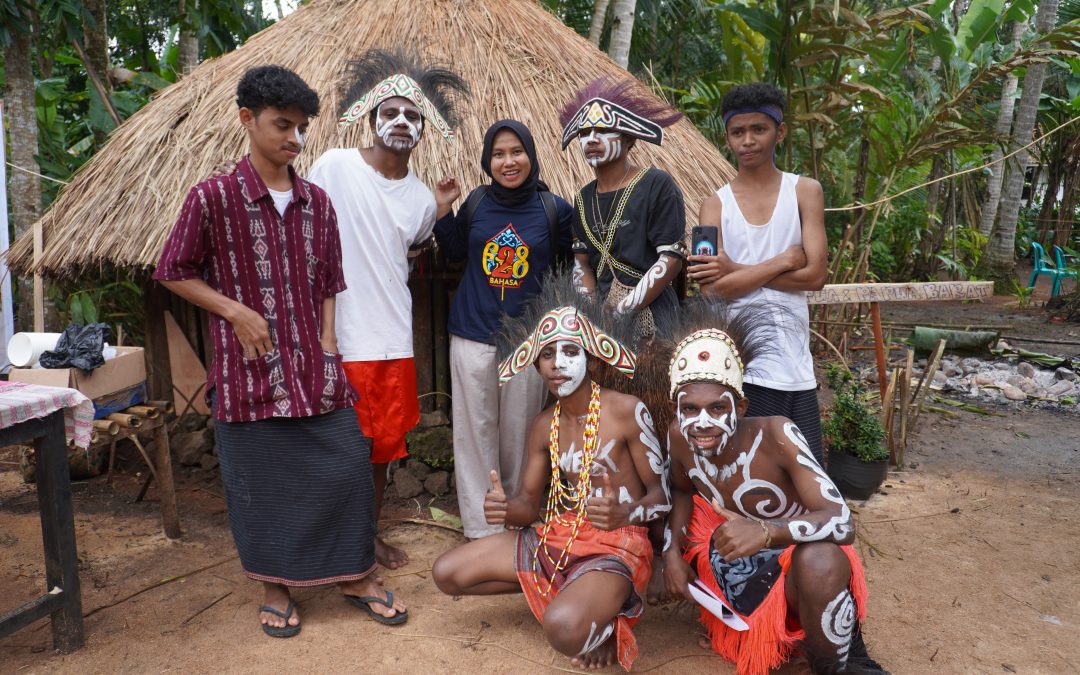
x,y
385,129
298,137
571,366
703,422
611,145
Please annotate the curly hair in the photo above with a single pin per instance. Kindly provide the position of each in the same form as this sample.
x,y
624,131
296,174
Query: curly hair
x,y
627,93
275,87
442,86
753,95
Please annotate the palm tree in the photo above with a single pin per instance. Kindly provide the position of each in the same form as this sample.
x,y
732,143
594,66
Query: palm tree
x,y
622,29
1000,252
24,189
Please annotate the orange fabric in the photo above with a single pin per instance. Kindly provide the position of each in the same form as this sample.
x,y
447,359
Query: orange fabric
x,y
387,405
773,634
629,545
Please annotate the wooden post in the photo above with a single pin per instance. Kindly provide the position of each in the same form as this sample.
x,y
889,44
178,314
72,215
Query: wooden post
x,y
879,347
163,458
905,407
158,368
58,533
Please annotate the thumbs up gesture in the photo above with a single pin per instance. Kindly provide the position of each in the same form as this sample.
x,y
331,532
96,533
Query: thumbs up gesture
x,y
603,508
738,536
495,502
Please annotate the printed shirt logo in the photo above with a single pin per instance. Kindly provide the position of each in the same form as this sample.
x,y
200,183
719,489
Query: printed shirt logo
x,y
506,260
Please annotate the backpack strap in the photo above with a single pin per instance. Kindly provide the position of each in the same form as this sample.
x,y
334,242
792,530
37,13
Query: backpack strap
x,y
472,202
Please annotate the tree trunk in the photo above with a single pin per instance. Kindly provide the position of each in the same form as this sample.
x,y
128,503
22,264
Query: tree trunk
x,y
1001,131
599,13
1046,211
622,30
24,188
188,45
1063,231
927,263
1000,253
97,53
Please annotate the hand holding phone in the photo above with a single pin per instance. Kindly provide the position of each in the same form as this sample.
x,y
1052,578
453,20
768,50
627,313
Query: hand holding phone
x,y
704,240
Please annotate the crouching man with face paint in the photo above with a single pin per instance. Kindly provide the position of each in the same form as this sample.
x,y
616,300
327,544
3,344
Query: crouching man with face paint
x,y
595,452
630,231
755,518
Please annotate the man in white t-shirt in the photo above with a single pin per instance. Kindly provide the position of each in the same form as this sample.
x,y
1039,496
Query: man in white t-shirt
x,y
384,211
772,250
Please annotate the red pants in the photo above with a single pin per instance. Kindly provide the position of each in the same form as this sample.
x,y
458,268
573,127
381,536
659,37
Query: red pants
x,y
387,405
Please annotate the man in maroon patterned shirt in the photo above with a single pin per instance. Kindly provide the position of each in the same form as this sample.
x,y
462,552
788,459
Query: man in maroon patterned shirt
x,y
259,250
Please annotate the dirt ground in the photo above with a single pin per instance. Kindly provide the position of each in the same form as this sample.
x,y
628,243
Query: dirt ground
x,y
972,556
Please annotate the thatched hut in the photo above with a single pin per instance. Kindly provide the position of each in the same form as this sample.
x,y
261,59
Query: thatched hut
x,y
521,62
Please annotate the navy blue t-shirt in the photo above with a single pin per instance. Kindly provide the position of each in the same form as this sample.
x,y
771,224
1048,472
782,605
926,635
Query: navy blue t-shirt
x,y
507,253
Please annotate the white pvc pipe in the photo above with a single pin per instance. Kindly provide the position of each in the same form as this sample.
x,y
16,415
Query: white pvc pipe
x,y
24,349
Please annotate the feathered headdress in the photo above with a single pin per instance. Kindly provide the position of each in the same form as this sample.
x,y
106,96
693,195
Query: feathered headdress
x,y
378,75
712,343
559,312
621,105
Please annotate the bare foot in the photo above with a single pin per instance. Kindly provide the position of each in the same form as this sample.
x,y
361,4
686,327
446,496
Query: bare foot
x,y
601,657
390,557
277,596
656,592
369,587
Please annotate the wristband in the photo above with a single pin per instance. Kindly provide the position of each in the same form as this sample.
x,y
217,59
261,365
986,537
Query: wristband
x,y
768,536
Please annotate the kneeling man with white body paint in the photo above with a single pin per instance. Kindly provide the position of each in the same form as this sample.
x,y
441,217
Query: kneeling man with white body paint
x,y
584,569
755,519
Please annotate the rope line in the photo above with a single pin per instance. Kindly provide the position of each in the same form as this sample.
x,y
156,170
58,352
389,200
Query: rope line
x,y
852,207
35,173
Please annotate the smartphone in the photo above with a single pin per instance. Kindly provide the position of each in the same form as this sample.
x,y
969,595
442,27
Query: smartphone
x,y
704,240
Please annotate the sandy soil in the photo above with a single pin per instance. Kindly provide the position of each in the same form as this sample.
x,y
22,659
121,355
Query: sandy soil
x,y
971,555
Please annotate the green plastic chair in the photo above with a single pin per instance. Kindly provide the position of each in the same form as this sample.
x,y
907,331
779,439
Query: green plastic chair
x,y
1062,272
1038,258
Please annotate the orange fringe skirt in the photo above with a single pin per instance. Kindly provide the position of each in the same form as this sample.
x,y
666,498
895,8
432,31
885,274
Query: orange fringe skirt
x,y
773,634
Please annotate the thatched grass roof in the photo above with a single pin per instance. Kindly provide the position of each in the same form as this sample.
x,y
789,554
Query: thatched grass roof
x,y
521,62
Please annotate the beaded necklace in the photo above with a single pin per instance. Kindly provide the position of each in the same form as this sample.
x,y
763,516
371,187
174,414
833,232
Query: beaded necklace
x,y
565,499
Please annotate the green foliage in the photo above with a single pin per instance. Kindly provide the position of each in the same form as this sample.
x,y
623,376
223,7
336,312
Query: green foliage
x,y
851,427
113,299
1022,294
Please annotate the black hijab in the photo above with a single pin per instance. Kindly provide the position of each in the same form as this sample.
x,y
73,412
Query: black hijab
x,y
524,192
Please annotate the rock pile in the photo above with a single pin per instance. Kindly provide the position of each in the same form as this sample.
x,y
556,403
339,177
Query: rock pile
x,y
431,444
1002,381
192,443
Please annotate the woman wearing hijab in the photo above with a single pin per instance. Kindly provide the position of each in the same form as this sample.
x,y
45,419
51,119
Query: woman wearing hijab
x,y
508,233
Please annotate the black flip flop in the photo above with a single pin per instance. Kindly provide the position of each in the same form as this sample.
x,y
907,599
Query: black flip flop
x,y
285,631
364,603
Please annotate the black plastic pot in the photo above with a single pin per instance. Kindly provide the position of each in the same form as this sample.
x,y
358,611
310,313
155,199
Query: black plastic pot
x,y
855,478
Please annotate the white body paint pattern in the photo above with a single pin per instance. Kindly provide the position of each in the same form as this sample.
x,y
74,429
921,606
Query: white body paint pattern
x,y
726,423
637,515
839,526
781,510
657,462
577,277
703,478
667,538
570,366
570,461
299,137
636,299
595,640
384,129
610,141
838,623
624,495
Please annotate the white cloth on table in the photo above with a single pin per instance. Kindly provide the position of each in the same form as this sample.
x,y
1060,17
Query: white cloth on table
x,y
20,402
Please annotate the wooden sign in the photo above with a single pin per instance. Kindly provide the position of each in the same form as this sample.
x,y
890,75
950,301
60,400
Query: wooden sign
x,y
930,291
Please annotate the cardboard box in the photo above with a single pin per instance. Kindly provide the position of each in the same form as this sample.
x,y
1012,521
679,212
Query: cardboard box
x,y
126,370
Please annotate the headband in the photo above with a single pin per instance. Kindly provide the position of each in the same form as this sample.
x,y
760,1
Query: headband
x,y
773,111
600,113
566,323
708,355
396,85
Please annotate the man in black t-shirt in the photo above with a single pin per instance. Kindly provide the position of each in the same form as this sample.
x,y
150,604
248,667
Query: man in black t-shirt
x,y
629,233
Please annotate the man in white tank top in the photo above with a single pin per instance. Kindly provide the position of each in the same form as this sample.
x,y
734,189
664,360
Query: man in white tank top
x,y
772,249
